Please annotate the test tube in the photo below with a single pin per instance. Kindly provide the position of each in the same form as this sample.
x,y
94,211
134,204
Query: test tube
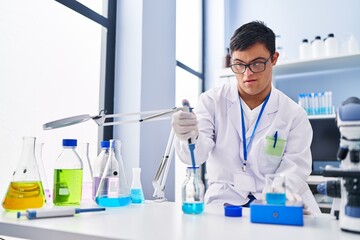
x,y
316,103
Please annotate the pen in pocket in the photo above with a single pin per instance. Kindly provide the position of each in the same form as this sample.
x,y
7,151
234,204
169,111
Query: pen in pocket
x,y
275,138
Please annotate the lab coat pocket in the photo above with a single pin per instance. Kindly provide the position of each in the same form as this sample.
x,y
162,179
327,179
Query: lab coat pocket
x,y
274,146
270,157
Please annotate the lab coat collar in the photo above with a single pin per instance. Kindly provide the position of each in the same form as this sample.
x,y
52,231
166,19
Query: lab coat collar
x,y
234,110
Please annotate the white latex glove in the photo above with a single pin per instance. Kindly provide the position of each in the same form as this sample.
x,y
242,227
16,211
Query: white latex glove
x,y
185,125
294,197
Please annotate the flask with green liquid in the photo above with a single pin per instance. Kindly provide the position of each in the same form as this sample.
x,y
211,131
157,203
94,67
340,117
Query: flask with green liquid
x,y
26,189
68,174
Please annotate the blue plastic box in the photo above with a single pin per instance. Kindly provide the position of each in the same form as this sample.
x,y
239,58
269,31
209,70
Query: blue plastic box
x,y
289,214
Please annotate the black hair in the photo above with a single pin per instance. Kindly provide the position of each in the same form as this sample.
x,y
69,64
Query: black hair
x,y
251,33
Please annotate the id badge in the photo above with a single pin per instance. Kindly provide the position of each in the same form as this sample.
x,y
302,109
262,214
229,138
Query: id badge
x,y
244,182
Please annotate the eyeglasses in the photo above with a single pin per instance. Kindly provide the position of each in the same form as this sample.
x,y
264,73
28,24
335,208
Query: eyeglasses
x,y
254,67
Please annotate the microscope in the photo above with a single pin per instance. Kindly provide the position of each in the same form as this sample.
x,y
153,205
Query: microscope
x,y
346,189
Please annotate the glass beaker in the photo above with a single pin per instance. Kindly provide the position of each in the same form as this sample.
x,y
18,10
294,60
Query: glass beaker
x,y
26,189
193,191
113,189
87,171
43,177
275,188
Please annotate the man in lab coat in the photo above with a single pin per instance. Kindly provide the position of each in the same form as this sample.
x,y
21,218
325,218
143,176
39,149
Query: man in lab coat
x,y
248,129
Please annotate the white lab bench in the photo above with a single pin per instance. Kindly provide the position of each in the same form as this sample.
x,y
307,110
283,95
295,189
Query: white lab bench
x,y
165,220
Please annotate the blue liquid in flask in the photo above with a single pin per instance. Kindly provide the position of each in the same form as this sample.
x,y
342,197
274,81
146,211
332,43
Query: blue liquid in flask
x,y
137,195
193,208
113,202
276,198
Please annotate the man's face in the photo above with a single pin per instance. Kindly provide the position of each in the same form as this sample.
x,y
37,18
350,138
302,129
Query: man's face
x,y
254,84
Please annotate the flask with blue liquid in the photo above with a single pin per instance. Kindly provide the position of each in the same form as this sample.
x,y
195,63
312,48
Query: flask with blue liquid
x,y
193,191
113,189
275,188
137,195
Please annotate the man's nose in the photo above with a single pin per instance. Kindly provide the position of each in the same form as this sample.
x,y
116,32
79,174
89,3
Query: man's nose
x,y
248,71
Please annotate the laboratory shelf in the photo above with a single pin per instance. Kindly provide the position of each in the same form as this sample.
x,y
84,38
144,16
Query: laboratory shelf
x,y
323,116
320,64
307,66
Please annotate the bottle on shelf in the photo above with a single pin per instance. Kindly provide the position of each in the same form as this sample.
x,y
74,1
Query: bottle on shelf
x,y
331,46
227,58
137,195
352,45
68,175
305,50
193,191
318,48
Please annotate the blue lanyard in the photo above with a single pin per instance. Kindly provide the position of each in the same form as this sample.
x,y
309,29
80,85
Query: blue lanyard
x,y
246,146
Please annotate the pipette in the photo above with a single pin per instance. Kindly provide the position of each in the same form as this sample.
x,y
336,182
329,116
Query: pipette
x,y
187,108
56,212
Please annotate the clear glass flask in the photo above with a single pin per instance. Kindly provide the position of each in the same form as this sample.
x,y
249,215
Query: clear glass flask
x,y
99,165
137,195
87,170
26,189
113,189
43,176
68,175
275,188
193,191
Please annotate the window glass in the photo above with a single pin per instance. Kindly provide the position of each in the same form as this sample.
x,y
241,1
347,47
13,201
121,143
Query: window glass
x,y
189,52
49,69
189,33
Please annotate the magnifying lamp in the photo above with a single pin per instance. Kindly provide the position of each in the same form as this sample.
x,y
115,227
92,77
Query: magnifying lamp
x,y
101,120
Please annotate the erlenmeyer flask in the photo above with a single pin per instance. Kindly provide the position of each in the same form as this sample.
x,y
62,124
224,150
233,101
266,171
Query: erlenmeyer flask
x,y
25,190
113,190
43,177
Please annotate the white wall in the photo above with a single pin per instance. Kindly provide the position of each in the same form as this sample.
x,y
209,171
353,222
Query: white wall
x,y
295,20
49,69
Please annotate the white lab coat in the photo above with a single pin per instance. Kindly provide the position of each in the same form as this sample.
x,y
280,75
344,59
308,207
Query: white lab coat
x,y
220,144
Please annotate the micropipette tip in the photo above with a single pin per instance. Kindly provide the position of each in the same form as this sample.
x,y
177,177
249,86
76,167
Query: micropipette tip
x,y
19,214
192,148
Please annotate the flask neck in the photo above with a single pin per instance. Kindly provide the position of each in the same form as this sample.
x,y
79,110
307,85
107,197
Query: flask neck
x,y
193,172
136,182
27,168
28,148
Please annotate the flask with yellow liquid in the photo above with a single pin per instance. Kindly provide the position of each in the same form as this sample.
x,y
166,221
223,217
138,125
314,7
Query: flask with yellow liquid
x,y
25,190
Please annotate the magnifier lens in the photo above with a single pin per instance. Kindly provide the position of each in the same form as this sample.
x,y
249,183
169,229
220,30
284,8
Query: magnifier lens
x,y
66,122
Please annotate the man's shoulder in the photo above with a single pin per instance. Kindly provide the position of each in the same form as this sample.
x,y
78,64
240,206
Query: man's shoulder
x,y
286,104
226,90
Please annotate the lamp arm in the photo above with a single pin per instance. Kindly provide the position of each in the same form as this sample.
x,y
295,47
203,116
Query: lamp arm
x,y
156,116
132,121
163,170
165,111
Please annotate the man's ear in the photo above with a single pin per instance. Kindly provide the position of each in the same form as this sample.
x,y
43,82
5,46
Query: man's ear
x,y
275,57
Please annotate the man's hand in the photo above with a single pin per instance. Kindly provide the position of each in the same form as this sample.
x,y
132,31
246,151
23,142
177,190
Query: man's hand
x,y
185,125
